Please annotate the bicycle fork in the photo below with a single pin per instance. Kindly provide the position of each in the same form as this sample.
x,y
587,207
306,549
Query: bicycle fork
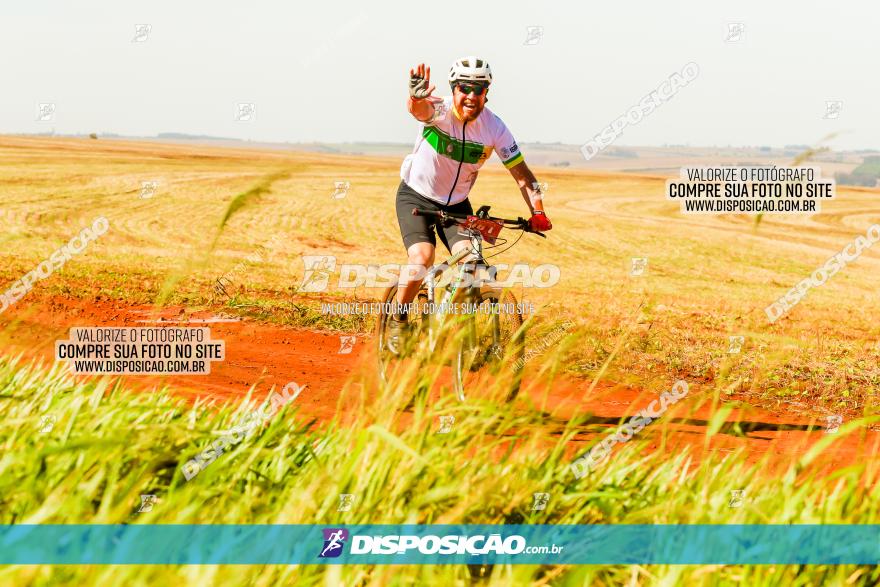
x,y
445,308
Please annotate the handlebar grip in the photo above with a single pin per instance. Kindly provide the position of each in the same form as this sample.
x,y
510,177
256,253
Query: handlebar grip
x,y
530,231
525,224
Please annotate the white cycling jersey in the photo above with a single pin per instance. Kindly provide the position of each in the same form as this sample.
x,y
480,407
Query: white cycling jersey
x,y
449,152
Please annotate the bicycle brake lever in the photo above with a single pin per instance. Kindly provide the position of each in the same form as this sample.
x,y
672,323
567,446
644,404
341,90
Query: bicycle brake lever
x,y
525,226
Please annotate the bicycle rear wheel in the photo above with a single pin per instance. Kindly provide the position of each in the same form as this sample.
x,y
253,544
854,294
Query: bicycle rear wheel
x,y
491,346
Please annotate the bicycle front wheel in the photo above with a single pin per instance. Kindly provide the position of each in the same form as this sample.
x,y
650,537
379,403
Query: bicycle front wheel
x,y
491,346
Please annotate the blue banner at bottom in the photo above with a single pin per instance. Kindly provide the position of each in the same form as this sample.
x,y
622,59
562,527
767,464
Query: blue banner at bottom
x,y
439,544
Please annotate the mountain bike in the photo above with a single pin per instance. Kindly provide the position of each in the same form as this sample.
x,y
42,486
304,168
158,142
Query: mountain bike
x,y
461,315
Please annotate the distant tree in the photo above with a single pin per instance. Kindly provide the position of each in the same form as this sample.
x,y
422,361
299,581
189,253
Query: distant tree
x,y
93,136
625,153
865,174
861,179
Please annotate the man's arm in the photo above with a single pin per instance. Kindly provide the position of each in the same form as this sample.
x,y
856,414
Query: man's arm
x,y
422,110
528,185
531,191
420,89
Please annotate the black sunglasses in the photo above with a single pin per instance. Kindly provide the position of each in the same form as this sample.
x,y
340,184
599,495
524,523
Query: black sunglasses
x,y
466,89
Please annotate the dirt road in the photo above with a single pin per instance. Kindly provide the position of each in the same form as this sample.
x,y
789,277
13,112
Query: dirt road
x,y
266,356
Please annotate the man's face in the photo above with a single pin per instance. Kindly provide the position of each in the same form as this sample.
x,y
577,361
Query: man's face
x,y
469,104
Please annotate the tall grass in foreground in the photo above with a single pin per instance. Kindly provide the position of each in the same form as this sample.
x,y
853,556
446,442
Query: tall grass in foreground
x,y
108,446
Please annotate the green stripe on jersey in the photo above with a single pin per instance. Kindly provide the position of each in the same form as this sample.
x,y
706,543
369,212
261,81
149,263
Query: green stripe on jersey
x,y
515,160
449,147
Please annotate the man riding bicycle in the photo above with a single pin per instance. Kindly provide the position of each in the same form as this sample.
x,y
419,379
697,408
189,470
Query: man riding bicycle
x,y
457,135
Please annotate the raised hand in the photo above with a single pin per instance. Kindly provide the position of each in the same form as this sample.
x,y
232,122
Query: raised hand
x,y
420,82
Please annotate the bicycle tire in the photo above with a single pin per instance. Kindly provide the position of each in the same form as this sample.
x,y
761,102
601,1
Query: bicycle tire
x,y
509,340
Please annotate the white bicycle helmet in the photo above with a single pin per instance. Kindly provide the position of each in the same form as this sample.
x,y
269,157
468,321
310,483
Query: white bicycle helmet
x,y
471,69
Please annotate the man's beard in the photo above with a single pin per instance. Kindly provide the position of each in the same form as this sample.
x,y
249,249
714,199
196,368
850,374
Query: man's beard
x,y
470,114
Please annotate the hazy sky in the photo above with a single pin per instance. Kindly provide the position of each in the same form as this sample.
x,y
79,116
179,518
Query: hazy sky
x,y
337,71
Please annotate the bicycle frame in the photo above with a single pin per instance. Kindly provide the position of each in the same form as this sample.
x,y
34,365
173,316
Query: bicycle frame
x,y
445,308
477,232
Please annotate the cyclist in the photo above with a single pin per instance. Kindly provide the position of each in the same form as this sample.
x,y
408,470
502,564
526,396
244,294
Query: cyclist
x,y
457,134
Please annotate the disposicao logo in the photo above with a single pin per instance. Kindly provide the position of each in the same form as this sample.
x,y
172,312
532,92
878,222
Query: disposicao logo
x,y
410,544
334,541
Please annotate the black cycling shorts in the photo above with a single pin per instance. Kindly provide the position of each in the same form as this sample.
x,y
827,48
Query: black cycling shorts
x,y
420,229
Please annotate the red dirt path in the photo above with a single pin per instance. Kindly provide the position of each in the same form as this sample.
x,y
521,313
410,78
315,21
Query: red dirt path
x,y
265,355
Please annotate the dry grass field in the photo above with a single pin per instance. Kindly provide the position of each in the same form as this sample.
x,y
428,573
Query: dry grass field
x,y
708,277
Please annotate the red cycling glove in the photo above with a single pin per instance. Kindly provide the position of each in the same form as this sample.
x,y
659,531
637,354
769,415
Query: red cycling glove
x,y
539,222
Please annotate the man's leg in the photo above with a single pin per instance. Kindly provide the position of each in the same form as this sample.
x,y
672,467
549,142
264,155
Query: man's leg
x,y
450,235
420,256
418,237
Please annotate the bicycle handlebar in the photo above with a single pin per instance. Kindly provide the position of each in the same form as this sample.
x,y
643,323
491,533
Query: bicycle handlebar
x,y
520,222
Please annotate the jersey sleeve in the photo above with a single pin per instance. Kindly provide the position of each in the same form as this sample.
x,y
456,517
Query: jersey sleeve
x,y
506,147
